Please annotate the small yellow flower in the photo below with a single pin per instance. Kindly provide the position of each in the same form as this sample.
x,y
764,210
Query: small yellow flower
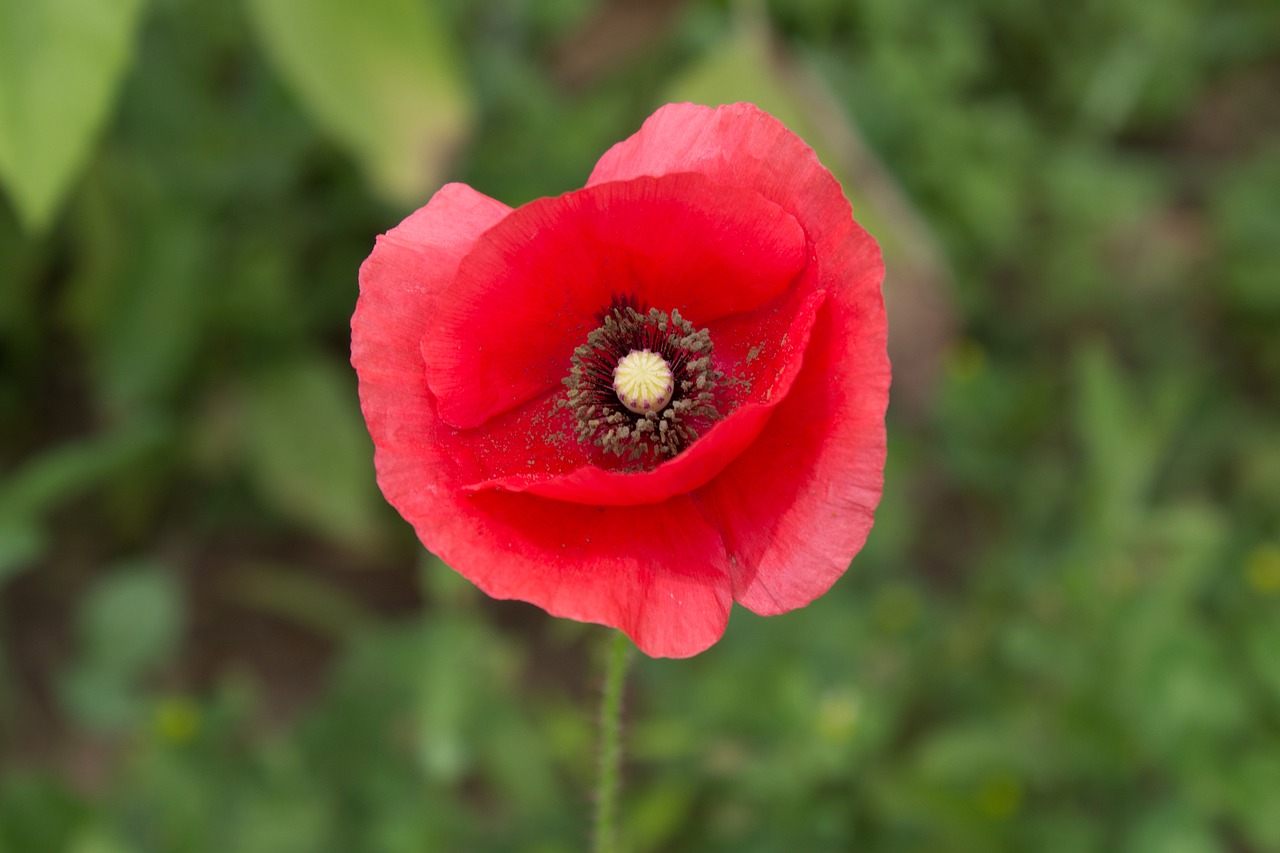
x,y
999,797
838,714
1262,569
177,719
966,361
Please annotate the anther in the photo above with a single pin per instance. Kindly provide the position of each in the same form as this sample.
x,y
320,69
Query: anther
x,y
642,385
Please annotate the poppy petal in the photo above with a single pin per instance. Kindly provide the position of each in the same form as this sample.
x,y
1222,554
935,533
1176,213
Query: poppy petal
x,y
409,265
706,457
515,546
658,573
467,318
735,145
797,505
538,283
799,502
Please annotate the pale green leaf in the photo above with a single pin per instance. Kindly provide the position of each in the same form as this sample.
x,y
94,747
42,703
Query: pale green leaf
x,y
309,452
380,77
61,62
140,319
56,475
131,619
21,544
299,597
98,839
130,622
1171,828
1120,456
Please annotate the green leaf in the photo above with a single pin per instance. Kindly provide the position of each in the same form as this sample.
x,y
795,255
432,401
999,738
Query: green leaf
x,y
98,699
39,812
98,839
742,67
56,475
1254,782
1119,450
309,452
69,469
1171,828
130,622
61,62
1263,637
21,543
141,317
380,78
299,597
131,619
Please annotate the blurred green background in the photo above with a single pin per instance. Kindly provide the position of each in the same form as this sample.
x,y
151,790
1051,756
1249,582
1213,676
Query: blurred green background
x,y
1063,635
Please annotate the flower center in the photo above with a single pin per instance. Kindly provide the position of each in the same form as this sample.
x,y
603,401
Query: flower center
x,y
643,381
642,386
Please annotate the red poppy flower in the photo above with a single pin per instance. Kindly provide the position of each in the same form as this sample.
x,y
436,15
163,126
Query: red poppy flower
x,y
640,401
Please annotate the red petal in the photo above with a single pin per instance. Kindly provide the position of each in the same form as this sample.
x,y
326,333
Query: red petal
x,y
658,573
410,264
736,145
607,565
769,376
797,505
536,285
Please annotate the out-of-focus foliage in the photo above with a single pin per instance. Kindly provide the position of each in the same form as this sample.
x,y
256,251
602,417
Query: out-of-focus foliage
x,y
380,76
60,64
1063,635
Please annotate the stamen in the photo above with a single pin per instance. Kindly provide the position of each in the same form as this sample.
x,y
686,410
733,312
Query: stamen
x,y
642,385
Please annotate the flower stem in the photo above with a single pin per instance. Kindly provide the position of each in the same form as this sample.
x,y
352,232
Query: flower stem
x,y
606,824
